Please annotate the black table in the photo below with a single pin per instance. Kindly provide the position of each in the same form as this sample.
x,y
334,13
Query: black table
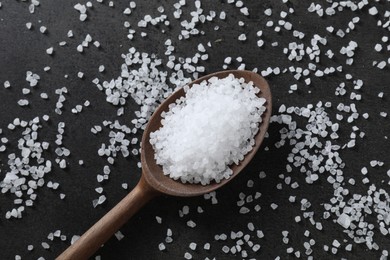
x,y
24,50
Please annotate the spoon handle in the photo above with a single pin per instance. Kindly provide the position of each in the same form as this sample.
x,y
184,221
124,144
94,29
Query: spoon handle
x,y
99,233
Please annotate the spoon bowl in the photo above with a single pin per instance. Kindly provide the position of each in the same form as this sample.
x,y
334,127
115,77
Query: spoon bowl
x,y
153,172
153,182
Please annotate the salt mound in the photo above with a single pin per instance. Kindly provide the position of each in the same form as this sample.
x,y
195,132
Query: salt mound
x,y
210,128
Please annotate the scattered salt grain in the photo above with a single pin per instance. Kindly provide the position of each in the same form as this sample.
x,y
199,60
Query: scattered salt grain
x,y
187,256
344,220
49,51
119,235
43,29
193,246
191,224
7,84
74,239
161,247
373,11
45,245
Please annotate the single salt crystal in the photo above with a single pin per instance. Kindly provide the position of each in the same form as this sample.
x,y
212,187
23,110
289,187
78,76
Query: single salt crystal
x,y
191,224
344,220
242,37
260,43
23,102
373,10
50,51
268,12
29,25
74,239
187,256
161,247
119,235
43,29
101,68
7,84
381,64
336,243
251,227
378,47
192,246
45,245
79,48
62,164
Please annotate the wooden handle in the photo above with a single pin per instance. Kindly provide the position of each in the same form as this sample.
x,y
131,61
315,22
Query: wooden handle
x,y
99,233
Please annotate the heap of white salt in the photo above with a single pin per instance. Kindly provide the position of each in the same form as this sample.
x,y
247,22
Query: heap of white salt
x,y
210,128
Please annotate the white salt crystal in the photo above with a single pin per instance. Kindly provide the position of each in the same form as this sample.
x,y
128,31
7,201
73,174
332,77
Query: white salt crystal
x,y
7,84
43,29
119,235
45,245
344,220
49,51
192,246
381,64
187,256
378,47
161,247
191,224
373,11
268,12
336,243
80,48
242,37
74,239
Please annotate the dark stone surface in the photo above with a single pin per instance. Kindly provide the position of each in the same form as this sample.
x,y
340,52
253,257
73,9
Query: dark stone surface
x,y
22,50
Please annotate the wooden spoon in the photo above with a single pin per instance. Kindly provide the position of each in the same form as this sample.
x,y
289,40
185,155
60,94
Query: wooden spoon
x,y
153,182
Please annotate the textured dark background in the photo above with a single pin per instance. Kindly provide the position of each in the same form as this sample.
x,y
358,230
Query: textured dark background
x,y
22,50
